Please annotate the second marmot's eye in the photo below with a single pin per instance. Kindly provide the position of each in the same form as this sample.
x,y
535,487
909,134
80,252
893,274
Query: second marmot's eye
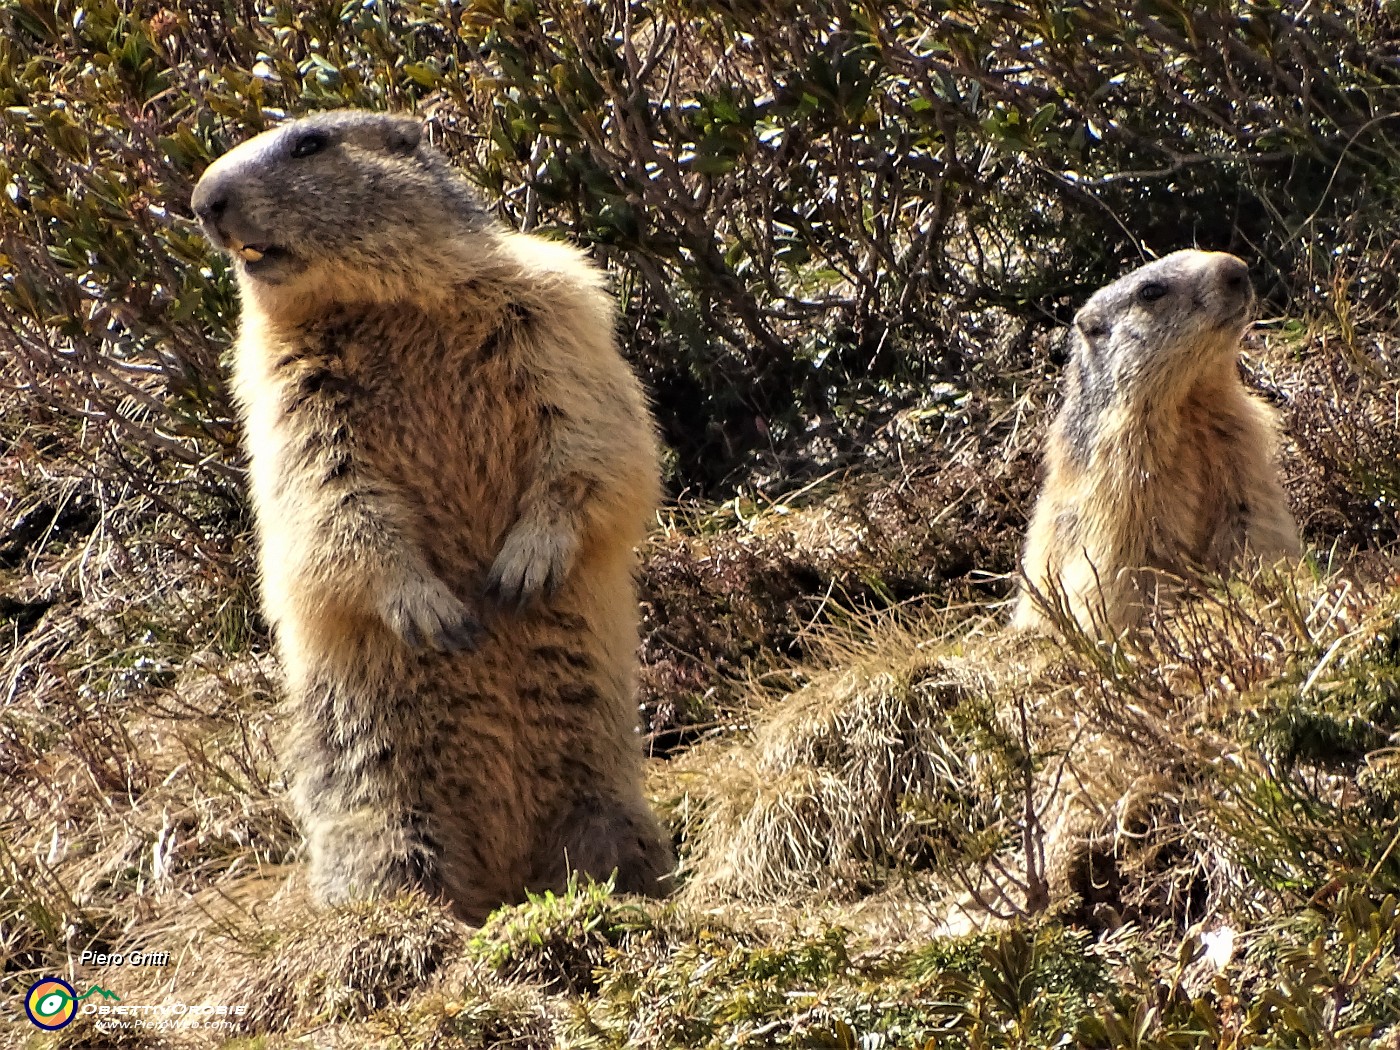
x,y
309,143
1152,291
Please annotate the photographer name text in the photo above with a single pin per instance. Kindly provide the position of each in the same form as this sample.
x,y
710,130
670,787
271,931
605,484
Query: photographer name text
x,y
126,959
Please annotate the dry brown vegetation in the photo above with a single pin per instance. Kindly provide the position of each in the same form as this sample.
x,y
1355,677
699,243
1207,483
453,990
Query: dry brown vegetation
x,y
880,766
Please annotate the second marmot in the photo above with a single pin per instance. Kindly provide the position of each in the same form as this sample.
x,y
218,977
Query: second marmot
x,y
1159,458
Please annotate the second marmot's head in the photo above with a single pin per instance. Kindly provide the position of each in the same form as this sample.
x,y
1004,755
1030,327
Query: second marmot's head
x,y
344,195
1163,325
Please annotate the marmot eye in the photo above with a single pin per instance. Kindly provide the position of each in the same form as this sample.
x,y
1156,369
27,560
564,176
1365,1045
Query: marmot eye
x,y
1152,291
309,143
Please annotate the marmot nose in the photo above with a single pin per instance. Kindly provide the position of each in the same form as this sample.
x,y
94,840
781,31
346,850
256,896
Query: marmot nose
x,y
1234,275
209,207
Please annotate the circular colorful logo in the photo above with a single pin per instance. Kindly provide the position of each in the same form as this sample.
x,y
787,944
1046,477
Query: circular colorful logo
x,y
51,1003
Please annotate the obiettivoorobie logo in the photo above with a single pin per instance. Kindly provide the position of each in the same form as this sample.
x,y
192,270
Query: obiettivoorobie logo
x,y
51,1002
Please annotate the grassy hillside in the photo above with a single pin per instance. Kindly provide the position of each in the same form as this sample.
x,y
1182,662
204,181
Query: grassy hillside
x,y
899,825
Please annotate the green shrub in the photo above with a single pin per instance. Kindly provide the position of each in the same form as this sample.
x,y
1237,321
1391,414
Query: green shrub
x,y
558,940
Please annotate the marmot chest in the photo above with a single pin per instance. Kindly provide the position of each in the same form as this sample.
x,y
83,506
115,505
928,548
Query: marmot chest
x,y
1197,486
439,410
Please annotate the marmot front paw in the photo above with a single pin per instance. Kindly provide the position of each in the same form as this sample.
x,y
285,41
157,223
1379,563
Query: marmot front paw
x,y
424,611
532,563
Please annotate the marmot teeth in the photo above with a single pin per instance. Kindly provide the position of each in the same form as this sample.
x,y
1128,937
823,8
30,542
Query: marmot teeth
x,y
245,252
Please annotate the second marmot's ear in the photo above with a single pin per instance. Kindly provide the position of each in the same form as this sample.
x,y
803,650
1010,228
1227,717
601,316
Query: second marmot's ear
x,y
404,136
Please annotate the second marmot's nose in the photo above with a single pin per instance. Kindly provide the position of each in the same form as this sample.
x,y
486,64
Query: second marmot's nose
x,y
209,204
1234,275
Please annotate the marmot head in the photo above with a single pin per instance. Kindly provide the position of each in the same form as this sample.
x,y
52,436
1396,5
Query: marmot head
x,y
1164,323
345,198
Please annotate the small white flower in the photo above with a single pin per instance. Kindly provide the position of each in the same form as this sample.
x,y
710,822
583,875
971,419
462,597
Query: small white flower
x,y
1219,947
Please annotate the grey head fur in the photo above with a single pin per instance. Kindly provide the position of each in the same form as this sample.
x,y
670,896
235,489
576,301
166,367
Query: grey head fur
x,y
1143,341
342,189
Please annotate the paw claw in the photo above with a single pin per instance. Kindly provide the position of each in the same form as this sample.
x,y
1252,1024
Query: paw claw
x,y
531,564
496,588
425,611
458,636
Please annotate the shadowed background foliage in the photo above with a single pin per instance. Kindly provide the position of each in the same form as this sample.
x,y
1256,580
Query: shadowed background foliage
x,y
813,210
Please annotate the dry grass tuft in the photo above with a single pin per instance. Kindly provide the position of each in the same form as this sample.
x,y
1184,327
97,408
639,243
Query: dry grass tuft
x,y
818,798
488,1013
140,767
293,965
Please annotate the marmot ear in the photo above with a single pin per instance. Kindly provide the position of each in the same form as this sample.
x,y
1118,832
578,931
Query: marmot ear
x,y
404,136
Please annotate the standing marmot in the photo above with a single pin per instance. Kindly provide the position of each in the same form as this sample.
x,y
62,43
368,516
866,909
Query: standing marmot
x,y
451,465
1159,458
